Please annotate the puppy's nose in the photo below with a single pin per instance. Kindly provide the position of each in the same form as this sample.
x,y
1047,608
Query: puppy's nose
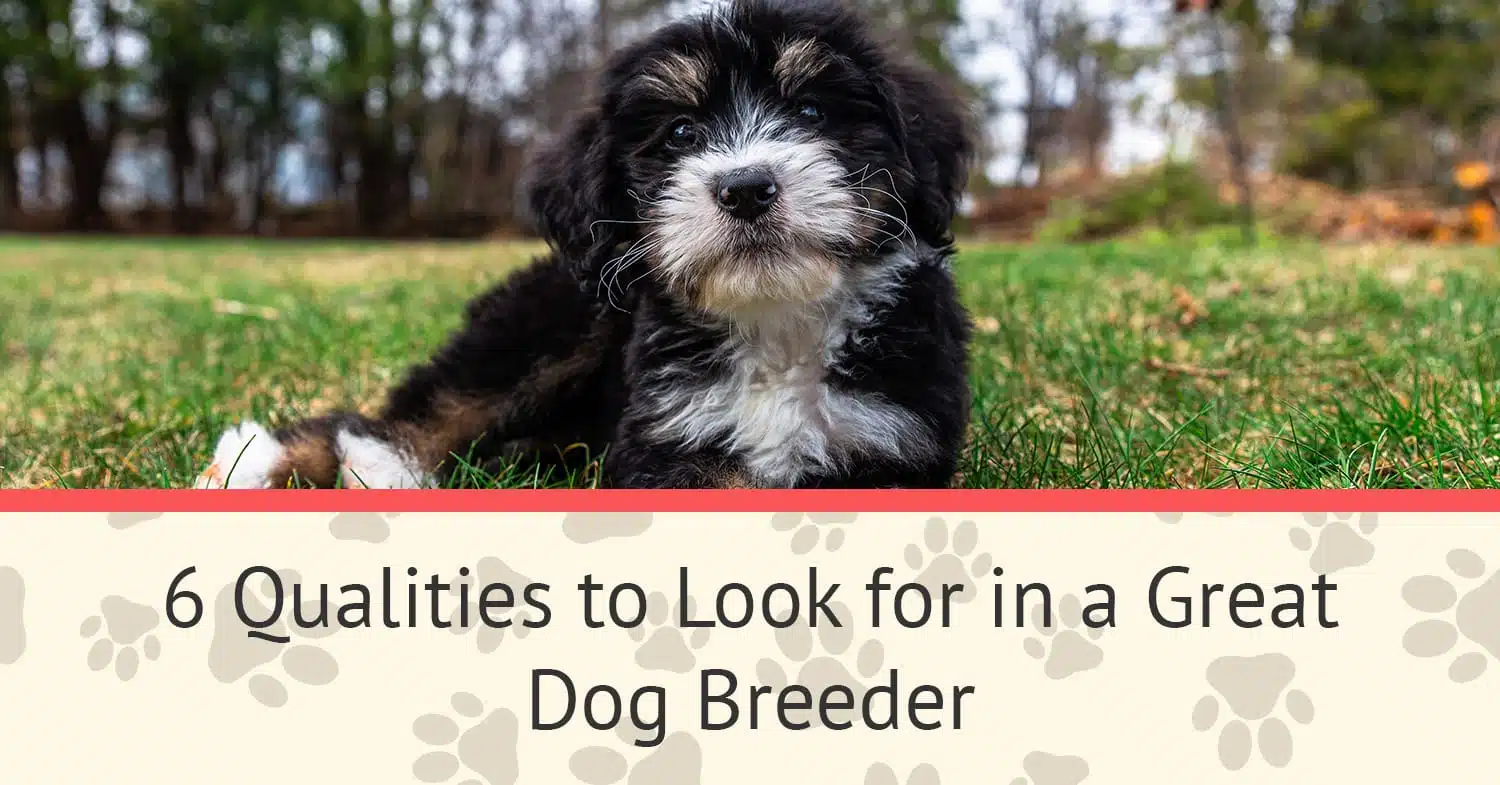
x,y
747,194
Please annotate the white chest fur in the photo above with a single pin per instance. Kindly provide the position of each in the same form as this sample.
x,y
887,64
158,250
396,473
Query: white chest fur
x,y
774,407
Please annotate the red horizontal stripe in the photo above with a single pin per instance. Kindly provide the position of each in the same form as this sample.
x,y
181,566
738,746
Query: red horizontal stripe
x,y
941,501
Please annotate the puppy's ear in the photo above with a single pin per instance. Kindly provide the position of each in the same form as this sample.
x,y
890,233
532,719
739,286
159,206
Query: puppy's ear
x,y
573,194
937,130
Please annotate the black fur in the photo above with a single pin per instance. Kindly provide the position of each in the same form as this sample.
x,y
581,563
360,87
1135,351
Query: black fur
x,y
561,355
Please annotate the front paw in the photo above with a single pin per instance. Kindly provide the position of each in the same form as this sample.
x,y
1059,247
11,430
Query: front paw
x,y
245,457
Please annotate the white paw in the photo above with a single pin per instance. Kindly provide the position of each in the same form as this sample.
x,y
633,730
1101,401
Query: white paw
x,y
366,462
244,458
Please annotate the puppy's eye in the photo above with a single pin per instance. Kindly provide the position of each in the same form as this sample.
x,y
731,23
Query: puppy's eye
x,y
683,135
809,111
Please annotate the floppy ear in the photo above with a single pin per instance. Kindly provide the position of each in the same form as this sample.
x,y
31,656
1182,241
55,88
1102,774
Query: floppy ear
x,y
573,193
936,129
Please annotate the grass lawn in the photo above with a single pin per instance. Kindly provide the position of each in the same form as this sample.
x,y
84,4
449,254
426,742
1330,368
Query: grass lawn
x,y
1124,365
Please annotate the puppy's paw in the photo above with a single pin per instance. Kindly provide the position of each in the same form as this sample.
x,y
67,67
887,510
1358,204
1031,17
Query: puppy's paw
x,y
368,462
245,457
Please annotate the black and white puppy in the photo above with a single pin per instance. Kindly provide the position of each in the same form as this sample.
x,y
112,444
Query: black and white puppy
x,y
750,284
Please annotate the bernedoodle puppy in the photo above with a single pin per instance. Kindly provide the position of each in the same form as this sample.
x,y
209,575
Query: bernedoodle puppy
x,y
749,284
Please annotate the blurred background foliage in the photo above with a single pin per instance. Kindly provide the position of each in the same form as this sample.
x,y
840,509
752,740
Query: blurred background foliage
x,y
413,117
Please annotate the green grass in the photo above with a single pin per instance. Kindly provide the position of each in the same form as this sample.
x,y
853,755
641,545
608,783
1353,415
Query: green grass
x,y
121,361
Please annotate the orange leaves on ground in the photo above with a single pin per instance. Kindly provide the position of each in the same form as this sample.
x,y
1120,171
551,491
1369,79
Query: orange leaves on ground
x,y
1189,309
1482,221
1289,205
1185,6
1472,175
1480,218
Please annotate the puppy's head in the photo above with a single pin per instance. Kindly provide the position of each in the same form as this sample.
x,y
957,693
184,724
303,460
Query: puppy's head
x,y
753,157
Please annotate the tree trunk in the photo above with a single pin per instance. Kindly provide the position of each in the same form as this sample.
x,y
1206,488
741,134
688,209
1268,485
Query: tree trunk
x,y
1094,101
39,137
1094,154
88,163
10,181
218,159
374,193
604,27
10,190
340,137
1024,157
264,172
270,129
178,94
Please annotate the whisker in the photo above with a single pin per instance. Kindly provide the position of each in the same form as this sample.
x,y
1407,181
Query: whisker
x,y
904,214
905,219
637,279
905,229
889,176
609,275
894,198
642,200
863,174
612,221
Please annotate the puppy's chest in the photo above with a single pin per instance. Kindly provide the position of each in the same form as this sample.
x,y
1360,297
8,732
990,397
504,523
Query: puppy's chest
x,y
770,400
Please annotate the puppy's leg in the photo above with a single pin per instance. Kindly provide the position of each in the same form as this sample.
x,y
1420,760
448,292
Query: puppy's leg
x,y
636,464
337,450
248,456
531,365
638,460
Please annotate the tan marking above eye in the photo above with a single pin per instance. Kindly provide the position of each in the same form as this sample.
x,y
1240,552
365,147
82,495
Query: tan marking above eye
x,y
799,61
679,78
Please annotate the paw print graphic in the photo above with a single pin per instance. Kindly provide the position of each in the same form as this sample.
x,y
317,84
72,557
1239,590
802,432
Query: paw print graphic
x,y
664,647
1176,517
468,742
12,616
370,527
1473,617
124,626
821,657
590,527
1337,544
814,528
1044,768
944,557
1253,687
126,520
234,656
1066,651
678,760
882,774
466,617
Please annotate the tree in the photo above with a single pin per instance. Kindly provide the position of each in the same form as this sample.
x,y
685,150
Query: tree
x,y
69,53
10,179
386,113
1438,57
190,49
1371,91
928,28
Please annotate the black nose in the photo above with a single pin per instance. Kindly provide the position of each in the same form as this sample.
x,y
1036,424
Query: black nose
x,y
747,194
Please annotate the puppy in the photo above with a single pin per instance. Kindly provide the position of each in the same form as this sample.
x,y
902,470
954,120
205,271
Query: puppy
x,y
750,285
